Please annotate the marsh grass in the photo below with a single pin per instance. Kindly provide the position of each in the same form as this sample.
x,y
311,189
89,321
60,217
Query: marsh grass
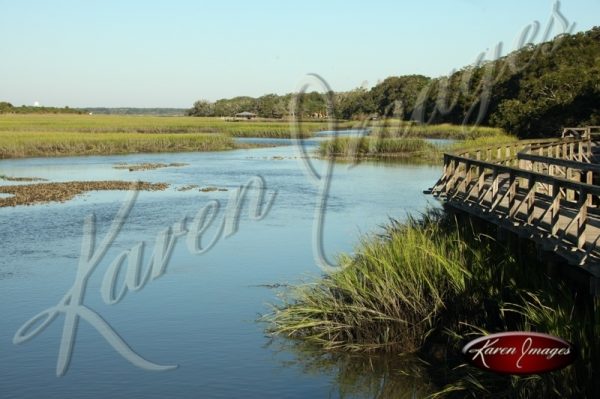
x,y
370,147
430,285
152,125
386,297
407,129
32,144
61,134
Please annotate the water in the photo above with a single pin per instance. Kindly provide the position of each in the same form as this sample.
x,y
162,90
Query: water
x,y
201,313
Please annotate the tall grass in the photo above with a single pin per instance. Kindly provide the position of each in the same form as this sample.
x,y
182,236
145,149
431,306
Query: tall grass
x,y
399,128
350,147
432,284
32,144
481,142
151,124
387,296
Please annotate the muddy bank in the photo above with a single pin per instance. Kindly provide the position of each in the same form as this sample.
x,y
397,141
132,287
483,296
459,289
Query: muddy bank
x,y
41,193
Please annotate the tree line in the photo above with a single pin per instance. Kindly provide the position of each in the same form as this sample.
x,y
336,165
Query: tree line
x,y
8,108
531,92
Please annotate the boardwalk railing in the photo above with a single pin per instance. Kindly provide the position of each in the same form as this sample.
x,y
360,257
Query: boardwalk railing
x,y
544,189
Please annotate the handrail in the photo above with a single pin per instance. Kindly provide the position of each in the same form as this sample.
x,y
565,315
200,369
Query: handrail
x,y
502,179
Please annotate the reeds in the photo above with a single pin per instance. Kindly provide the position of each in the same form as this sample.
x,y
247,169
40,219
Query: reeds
x,y
397,128
430,285
33,144
152,125
361,147
387,297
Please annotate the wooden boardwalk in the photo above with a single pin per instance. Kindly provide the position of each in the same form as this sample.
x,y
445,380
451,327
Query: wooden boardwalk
x,y
546,191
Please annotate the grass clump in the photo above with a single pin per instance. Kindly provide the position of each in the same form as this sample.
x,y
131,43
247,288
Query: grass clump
x,y
396,128
386,297
369,147
429,286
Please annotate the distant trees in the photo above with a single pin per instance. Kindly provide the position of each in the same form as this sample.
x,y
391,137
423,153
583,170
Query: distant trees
x,y
202,108
5,107
555,90
267,106
533,91
8,108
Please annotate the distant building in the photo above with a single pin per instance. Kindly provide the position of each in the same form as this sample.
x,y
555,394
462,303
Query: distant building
x,y
245,115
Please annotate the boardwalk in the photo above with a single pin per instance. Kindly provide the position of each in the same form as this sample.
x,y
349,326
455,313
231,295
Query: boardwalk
x,y
547,191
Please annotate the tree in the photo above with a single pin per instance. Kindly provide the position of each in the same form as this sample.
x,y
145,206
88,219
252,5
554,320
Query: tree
x,y
202,108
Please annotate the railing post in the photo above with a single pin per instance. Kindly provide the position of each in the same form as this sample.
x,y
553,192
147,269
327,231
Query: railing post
x,y
568,176
555,211
451,173
467,180
571,151
531,200
589,179
494,184
582,220
481,181
512,191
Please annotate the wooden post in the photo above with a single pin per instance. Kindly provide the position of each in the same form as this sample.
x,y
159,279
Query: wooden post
x,y
555,211
568,176
494,185
467,180
481,182
531,200
512,191
582,221
551,173
451,173
571,151
589,179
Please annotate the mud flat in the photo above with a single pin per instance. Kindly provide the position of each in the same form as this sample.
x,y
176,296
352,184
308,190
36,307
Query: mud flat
x,y
40,193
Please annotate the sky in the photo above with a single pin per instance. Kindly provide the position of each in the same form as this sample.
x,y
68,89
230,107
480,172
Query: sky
x,y
120,53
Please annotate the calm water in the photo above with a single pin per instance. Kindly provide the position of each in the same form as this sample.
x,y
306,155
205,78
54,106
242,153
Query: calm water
x,y
201,313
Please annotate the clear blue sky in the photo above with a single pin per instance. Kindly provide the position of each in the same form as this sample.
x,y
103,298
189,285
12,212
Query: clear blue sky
x,y
170,53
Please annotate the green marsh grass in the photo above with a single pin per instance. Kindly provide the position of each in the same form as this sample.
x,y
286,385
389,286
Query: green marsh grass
x,y
428,286
386,297
351,147
151,124
398,128
40,144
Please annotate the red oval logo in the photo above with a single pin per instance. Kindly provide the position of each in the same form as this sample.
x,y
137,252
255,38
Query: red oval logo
x,y
519,352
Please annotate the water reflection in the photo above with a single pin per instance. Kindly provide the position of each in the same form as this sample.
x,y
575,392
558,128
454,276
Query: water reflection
x,y
378,376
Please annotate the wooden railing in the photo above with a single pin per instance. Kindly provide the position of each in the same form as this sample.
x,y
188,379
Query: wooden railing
x,y
545,187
